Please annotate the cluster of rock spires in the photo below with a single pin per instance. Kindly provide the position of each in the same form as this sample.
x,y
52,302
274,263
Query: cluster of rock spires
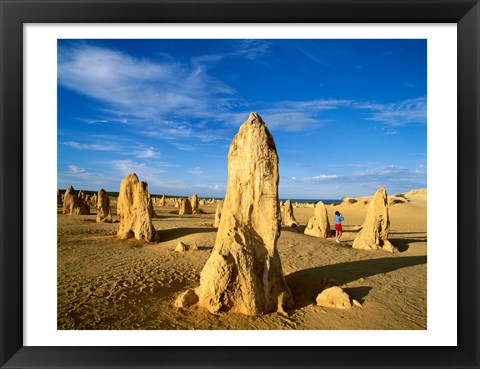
x,y
73,204
243,273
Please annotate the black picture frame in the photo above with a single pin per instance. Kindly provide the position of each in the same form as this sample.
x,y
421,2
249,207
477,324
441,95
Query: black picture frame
x,y
15,13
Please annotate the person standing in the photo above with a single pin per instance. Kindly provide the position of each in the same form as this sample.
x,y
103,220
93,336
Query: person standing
x,y
338,226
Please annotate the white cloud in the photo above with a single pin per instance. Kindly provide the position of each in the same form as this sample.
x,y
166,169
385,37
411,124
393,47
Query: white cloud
x,y
147,153
319,177
137,89
410,111
171,98
95,147
75,170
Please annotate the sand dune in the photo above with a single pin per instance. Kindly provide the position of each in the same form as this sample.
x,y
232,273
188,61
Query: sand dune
x,y
108,283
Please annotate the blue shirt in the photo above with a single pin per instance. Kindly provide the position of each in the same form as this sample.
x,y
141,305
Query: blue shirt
x,y
338,219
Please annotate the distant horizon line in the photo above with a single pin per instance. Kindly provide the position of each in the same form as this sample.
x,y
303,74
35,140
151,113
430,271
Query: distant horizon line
x,y
306,200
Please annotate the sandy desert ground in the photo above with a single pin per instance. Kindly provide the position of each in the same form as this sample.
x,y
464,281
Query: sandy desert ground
x,y
107,283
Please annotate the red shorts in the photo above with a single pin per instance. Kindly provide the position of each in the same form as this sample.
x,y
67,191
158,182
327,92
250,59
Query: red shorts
x,y
338,227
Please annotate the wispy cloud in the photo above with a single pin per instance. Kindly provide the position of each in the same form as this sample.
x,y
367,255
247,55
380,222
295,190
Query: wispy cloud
x,y
320,177
390,132
322,60
196,171
82,146
75,170
248,49
382,176
411,111
134,89
78,176
170,98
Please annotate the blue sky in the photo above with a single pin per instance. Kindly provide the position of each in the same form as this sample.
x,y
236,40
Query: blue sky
x,y
347,116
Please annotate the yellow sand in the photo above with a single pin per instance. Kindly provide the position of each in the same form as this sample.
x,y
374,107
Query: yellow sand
x,y
107,283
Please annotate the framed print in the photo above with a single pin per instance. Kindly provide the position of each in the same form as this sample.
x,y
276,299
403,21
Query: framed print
x,y
188,74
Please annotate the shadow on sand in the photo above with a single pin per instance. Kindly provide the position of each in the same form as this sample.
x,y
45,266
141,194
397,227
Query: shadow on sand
x,y
172,234
306,284
402,244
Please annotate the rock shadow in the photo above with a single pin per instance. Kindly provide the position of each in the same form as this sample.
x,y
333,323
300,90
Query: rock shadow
x,y
358,293
402,244
297,229
306,284
174,233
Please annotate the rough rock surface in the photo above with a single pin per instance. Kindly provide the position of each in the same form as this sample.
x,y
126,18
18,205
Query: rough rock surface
x,y
244,273
151,210
334,297
318,225
194,204
103,207
218,214
374,233
163,201
185,207
132,210
73,205
181,247
288,217
186,298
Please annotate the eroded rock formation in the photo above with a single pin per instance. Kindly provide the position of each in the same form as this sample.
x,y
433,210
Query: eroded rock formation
x,y
374,233
288,217
73,205
185,207
318,225
133,212
218,214
244,272
103,207
194,204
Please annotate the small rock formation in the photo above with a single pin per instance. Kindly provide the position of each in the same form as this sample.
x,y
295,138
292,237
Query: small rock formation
x,y
132,210
218,215
374,233
103,207
69,200
181,247
94,199
289,218
318,225
151,210
186,298
185,206
194,204
243,273
163,201
73,205
334,297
